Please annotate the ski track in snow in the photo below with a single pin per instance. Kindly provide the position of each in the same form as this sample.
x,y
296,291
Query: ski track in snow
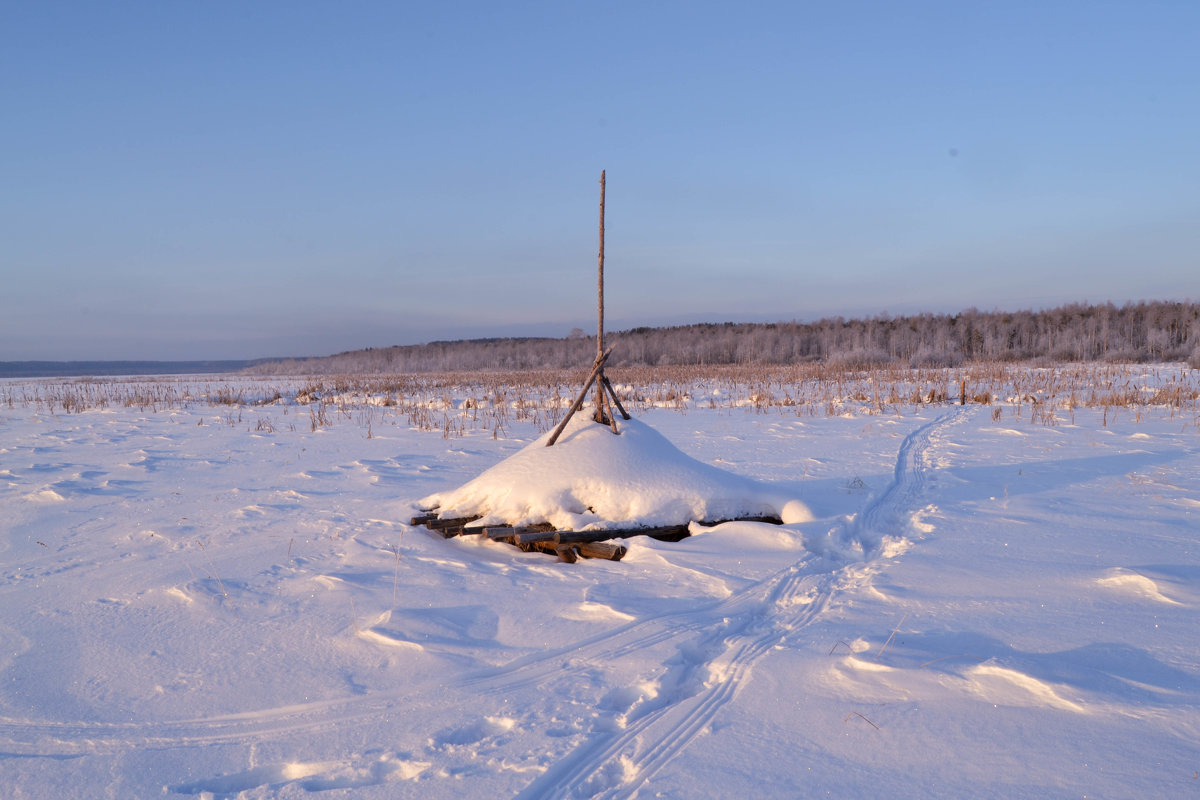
x,y
711,666
892,509
72,739
717,647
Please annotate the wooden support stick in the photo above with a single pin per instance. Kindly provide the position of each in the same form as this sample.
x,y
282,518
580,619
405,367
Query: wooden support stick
x,y
613,392
606,413
596,368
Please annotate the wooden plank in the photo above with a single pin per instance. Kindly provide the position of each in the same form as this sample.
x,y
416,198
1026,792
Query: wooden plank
x,y
504,533
450,522
526,536
660,531
606,550
446,528
500,533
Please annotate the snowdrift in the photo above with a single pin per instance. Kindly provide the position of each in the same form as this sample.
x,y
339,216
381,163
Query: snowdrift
x,y
593,480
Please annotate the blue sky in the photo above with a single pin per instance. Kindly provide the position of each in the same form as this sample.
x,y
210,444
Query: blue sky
x,y
228,180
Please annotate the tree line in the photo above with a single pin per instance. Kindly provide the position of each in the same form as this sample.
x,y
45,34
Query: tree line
x,y
1134,332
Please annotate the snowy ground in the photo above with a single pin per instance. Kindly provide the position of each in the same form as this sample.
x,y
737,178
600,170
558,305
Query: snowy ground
x,y
193,604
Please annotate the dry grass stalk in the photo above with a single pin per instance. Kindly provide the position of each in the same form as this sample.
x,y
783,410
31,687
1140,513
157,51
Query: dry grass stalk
x,y
895,630
214,572
456,404
860,716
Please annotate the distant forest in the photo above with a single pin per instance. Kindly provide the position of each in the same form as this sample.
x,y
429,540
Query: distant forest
x,y
1146,331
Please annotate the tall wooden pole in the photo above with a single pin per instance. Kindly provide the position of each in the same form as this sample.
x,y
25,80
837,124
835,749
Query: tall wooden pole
x,y
600,309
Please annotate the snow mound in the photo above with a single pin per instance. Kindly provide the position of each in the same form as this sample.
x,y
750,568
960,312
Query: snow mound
x,y
593,480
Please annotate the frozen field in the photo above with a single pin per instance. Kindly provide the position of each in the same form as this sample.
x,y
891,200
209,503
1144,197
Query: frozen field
x,y
205,595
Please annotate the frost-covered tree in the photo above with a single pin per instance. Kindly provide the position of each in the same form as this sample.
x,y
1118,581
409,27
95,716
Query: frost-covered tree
x,y
1146,331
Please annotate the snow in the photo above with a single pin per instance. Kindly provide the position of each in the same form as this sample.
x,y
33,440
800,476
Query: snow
x,y
194,604
595,479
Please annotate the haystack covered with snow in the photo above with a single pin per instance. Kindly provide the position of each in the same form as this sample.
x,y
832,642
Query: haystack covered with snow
x,y
593,480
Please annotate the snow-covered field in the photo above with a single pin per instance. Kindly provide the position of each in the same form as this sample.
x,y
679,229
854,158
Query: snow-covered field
x,y
226,601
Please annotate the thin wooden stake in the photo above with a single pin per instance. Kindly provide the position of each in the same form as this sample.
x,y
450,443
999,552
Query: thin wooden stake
x,y
608,417
600,305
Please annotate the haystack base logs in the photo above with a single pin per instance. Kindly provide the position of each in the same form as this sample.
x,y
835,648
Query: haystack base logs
x,y
567,545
